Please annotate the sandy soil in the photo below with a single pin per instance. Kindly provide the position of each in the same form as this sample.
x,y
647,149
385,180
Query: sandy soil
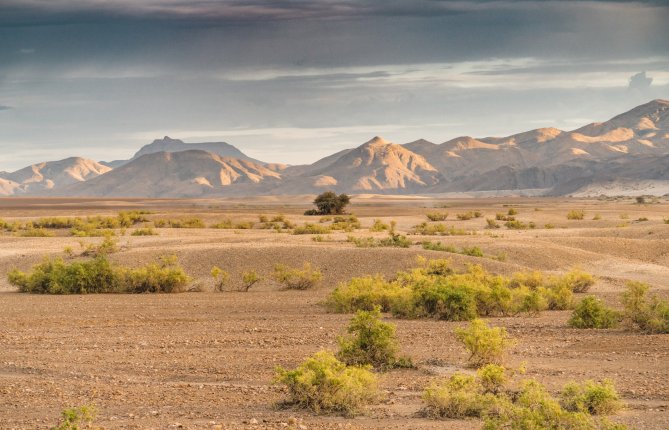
x,y
200,360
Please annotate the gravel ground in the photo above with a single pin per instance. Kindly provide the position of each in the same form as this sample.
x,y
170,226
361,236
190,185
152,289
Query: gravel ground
x,y
206,360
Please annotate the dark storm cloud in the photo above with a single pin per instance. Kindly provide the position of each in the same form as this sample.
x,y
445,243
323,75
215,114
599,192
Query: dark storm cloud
x,y
186,34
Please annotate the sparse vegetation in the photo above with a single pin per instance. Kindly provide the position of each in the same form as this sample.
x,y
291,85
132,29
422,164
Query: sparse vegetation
x,y
99,275
180,223
439,229
473,251
592,313
469,215
516,225
309,228
437,216
487,396
249,279
295,278
378,226
146,231
491,223
486,345
591,398
435,290
324,384
647,314
457,397
370,341
576,214
78,418
221,278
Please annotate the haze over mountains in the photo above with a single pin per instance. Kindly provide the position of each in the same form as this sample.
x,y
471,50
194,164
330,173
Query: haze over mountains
x,y
628,154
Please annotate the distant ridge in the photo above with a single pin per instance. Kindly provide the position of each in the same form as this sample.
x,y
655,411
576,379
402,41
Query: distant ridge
x,y
627,154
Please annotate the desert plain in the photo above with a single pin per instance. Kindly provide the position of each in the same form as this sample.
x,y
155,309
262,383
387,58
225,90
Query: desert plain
x,y
206,359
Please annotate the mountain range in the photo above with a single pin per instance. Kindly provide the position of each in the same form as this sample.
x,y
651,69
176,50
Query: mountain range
x,y
628,154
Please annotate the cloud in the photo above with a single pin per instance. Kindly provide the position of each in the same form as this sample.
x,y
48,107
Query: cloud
x,y
4,107
640,81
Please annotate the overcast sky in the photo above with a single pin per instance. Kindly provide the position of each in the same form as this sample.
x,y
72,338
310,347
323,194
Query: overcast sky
x,y
294,80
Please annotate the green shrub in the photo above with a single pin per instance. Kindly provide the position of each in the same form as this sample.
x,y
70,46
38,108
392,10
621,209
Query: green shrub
x,y
379,225
297,279
577,280
503,217
130,218
35,232
394,240
491,223
308,228
146,231
576,214
225,224
457,397
437,216
180,223
534,408
346,223
221,278
435,290
531,408
249,279
324,384
55,222
162,277
98,275
592,313
649,315
370,341
438,246
473,251
446,302
492,377
468,215
57,277
486,345
515,225
365,294
512,212
439,229
591,398
78,418
108,246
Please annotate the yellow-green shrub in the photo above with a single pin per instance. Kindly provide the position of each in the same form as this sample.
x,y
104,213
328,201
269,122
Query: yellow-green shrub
x,y
648,314
297,279
592,313
370,341
486,345
457,397
324,384
591,397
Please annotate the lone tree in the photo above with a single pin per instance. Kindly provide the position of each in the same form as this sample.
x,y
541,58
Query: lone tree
x,y
329,203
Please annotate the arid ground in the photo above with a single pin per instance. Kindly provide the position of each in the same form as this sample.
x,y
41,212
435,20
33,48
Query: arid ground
x,y
199,360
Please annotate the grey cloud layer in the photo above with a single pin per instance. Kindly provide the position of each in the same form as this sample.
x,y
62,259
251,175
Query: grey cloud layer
x,y
87,77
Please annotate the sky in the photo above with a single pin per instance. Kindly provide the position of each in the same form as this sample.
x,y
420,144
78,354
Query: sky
x,y
293,80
